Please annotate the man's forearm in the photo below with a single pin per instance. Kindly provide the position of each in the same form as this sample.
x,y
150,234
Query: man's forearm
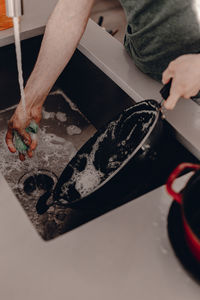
x,y
63,32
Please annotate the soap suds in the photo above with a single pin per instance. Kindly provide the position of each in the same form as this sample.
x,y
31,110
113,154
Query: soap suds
x,y
60,116
47,115
73,129
55,150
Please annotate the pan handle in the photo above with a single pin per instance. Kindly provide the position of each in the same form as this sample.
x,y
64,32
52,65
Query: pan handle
x,y
166,90
177,171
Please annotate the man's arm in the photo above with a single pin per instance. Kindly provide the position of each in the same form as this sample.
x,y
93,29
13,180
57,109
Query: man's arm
x,y
64,29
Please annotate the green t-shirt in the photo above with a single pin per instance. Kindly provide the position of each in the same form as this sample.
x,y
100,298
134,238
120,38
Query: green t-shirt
x,y
158,31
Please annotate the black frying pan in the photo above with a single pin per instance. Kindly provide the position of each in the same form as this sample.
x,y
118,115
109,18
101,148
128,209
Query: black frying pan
x,y
96,168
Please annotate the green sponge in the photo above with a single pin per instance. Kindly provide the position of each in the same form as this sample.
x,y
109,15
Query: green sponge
x,y
19,144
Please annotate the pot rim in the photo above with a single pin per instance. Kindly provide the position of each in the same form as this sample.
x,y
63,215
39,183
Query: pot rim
x,y
191,238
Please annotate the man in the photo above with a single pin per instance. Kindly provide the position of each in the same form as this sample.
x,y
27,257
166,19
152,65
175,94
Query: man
x,y
159,33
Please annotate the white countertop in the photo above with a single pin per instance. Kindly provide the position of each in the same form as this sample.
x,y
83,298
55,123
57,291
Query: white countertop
x,y
124,254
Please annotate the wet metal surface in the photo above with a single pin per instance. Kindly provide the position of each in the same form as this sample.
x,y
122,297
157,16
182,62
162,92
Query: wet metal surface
x,y
32,179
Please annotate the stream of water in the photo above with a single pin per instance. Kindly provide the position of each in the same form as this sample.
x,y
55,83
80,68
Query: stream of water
x,y
16,22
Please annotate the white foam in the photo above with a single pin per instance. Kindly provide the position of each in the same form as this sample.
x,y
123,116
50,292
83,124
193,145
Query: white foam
x,y
51,150
61,116
87,180
47,115
73,129
90,177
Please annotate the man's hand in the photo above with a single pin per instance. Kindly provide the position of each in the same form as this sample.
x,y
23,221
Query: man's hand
x,y
185,74
19,122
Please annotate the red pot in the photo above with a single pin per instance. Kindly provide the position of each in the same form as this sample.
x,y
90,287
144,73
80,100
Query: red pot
x,y
189,199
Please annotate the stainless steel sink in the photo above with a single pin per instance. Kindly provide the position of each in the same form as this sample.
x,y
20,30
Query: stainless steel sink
x,y
81,101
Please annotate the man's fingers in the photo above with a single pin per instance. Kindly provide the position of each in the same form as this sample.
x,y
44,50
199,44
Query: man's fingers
x,y
30,153
171,101
9,141
25,136
167,75
21,156
174,95
191,93
29,139
33,144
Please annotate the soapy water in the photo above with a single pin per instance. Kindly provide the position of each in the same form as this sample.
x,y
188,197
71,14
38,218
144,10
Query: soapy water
x,y
89,178
51,148
54,151
47,115
60,116
73,129
107,152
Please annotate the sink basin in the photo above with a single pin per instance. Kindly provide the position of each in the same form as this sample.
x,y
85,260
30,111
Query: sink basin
x,y
82,100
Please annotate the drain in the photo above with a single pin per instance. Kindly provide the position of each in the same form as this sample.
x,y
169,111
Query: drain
x,y
37,185
29,185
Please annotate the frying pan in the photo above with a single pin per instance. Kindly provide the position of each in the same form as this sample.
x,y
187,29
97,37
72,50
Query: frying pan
x,y
97,167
